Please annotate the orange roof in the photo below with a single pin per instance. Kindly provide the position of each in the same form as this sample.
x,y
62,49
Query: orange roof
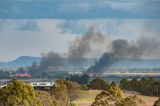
x,y
23,75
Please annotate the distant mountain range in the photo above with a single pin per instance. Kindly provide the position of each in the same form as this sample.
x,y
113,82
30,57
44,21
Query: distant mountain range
x,y
128,65
22,61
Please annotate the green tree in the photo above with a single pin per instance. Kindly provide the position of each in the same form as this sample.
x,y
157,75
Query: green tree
x,y
46,99
98,84
145,86
59,91
104,99
18,93
116,91
84,86
113,83
124,83
72,88
109,97
83,79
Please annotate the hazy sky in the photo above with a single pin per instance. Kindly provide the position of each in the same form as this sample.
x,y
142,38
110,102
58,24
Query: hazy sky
x,y
32,27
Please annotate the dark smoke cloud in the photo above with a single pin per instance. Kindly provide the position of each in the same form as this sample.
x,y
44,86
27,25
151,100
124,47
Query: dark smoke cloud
x,y
85,45
105,61
48,62
122,49
142,47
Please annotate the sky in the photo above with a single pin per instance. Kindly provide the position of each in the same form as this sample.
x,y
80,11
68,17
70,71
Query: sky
x,y
32,27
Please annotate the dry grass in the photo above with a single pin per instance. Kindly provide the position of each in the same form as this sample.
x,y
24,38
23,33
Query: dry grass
x,y
147,99
87,97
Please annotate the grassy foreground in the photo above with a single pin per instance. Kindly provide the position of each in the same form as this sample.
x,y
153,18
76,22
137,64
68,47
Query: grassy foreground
x,y
87,97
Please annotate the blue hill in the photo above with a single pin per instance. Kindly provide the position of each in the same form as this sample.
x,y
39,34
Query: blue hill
x,y
22,61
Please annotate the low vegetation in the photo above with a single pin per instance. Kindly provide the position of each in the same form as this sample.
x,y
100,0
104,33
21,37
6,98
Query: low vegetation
x,y
17,94
64,93
131,101
112,96
145,86
157,103
45,99
98,84
104,99
5,74
83,79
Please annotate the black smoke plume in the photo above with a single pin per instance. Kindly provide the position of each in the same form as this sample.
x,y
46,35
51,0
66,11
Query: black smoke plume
x,y
84,45
49,62
122,49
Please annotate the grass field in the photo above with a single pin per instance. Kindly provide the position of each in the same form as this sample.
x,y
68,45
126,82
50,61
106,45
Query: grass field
x,y
87,97
147,99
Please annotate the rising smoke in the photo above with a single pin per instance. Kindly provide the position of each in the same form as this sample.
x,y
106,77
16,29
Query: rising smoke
x,y
122,49
89,43
86,44
48,62
82,46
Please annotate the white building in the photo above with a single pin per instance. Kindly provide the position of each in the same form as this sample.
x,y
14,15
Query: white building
x,y
42,85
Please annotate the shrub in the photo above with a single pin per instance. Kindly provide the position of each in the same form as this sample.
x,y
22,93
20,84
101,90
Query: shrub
x,y
104,99
131,101
59,91
46,99
98,84
17,93
157,103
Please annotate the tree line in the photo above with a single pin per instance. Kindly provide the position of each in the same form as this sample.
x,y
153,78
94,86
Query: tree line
x,y
145,86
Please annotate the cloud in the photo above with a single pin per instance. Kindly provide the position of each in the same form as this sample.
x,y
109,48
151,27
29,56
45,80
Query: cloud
x,y
128,6
28,26
56,34
116,28
74,7
15,42
79,9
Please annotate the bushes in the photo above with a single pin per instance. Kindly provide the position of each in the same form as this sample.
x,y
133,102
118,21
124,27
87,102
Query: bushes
x,y
84,86
112,97
115,91
131,101
108,97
